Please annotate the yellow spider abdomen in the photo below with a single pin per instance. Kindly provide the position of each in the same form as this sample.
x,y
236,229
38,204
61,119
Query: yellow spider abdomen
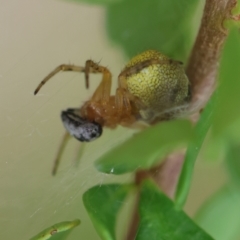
x,y
158,85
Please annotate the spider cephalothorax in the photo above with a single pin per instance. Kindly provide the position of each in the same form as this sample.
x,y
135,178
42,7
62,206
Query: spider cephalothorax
x,y
151,88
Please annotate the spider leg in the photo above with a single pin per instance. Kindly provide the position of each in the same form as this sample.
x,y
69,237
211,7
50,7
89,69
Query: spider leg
x,y
125,111
102,93
64,68
79,154
122,98
60,152
122,101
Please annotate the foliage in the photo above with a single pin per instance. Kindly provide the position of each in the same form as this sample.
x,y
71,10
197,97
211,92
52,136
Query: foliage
x,y
136,153
58,231
141,25
103,205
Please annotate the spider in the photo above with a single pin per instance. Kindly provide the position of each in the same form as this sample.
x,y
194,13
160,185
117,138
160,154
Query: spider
x,y
151,88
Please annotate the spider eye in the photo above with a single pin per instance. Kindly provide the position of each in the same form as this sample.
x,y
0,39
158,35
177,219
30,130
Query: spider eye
x,y
80,128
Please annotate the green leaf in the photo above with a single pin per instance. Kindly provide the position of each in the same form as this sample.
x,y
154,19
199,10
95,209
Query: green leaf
x,y
140,25
227,110
220,216
58,231
201,130
103,203
233,162
159,219
167,26
146,148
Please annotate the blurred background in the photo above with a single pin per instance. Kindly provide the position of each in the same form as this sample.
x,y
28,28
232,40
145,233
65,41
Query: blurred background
x,y
37,36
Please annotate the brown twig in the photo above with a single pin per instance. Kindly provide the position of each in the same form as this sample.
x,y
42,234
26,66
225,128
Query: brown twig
x,y
203,63
167,174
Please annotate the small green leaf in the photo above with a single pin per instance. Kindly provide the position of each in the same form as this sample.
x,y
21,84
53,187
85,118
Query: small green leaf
x,y
201,129
103,203
146,148
220,216
159,219
58,231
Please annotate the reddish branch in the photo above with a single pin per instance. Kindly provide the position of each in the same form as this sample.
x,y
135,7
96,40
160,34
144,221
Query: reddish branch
x,y
202,71
203,63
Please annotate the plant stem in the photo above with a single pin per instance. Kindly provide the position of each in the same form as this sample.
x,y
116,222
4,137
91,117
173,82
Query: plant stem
x,y
203,63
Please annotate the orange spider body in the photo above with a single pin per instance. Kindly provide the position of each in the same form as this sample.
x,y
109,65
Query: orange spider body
x,y
106,114
151,88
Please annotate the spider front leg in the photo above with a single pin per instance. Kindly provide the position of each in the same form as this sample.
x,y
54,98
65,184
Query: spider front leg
x,y
102,93
64,68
